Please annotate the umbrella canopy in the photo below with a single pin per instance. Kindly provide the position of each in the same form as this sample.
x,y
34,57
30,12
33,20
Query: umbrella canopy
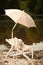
x,y
20,17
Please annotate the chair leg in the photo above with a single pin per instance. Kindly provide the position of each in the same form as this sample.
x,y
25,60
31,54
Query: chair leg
x,y
32,53
9,51
24,55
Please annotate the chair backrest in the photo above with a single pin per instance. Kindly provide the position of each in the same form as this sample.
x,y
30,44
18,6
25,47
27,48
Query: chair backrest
x,y
12,41
18,43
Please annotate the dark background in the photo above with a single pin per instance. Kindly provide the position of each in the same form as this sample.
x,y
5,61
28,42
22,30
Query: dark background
x,y
32,7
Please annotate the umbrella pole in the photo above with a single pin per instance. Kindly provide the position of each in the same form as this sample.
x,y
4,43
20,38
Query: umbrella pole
x,y
13,29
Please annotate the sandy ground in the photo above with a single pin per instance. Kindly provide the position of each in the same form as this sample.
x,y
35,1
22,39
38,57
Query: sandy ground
x,y
38,56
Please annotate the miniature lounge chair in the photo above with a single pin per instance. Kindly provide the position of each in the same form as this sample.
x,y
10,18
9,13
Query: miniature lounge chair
x,y
19,45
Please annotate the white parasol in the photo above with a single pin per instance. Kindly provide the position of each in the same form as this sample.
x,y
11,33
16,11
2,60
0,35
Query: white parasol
x,y
20,17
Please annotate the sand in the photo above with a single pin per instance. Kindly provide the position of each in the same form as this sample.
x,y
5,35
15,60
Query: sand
x,y
21,60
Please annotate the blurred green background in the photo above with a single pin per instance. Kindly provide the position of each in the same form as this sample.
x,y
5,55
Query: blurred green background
x,y
28,35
